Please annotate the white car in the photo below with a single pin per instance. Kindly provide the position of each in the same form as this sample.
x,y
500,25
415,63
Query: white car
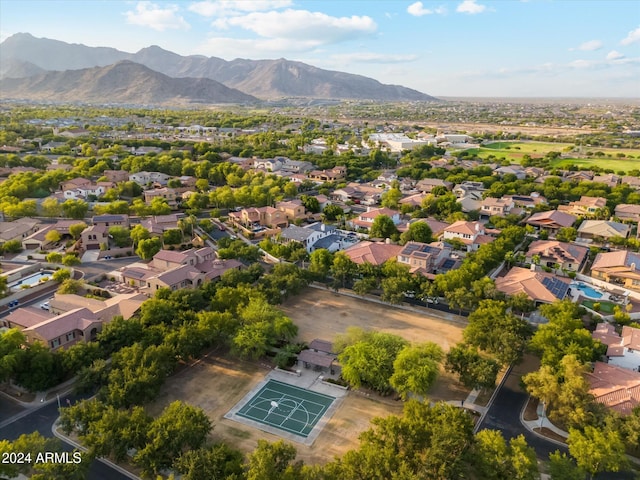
x,y
45,306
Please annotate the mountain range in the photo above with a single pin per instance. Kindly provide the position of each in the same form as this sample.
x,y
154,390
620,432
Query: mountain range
x,y
58,71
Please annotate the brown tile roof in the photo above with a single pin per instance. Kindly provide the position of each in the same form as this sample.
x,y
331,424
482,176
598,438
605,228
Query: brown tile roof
x,y
552,218
376,212
616,387
464,227
373,253
26,317
523,280
618,258
78,319
561,251
604,228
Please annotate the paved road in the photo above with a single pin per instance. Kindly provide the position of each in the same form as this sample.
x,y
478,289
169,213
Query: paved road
x,y
504,415
41,421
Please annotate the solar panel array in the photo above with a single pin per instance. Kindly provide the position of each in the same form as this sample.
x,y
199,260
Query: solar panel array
x,y
557,287
448,264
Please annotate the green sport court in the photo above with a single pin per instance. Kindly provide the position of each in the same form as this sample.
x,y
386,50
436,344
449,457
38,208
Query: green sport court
x,y
286,407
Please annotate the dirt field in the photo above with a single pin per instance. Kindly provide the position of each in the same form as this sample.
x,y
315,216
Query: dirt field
x,y
216,384
323,314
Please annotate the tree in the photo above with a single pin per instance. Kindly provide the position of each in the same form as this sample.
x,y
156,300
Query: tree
x,y
178,428
562,467
473,370
273,460
343,269
567,234
73,208
172,236
54,257
320,262
76,229
371,360
137,233
148,248
311,204
120,235
216,462
52,236
332,212
597,450
383,227
70,286
12,246
415,369
495,331
391,197
497,460
563,335
70,260
417,232
50,207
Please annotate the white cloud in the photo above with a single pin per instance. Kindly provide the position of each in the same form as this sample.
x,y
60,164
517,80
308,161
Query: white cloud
x,y
632,37
589,46
417,10
470,7
367,57
302,26
212,8
581,64
147,14
614,55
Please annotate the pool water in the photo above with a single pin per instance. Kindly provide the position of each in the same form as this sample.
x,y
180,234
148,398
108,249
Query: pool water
x,y
588,291
31,280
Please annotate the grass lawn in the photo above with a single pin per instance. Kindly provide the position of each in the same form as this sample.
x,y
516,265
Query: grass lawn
x,y
514,151
605,306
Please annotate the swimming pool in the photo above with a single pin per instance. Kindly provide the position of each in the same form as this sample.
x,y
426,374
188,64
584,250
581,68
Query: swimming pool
x,y
587,290
31,280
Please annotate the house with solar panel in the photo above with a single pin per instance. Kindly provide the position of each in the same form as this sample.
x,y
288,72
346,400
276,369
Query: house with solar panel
x,y
541,287
428,260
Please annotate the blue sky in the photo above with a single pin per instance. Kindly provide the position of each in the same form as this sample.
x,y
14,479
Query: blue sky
x,y
465,48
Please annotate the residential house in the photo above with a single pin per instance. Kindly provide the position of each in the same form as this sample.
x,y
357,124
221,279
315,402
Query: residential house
x,y
323,201
293,210
633,182
579,176
307,236
168,194
541,287
52,146
111,220
426,185
116,176
55,331
81,188
146,150
472,234
496,206
464,188
615,387
375,253
594,229
623,350
526,201
427,260
567,256
158,224
269,164
38,239
619,267
413,200
176,270
147,178
336,173
437,227
259,217
365,220
627,212
94,237
516,170
75,183
586,206
123,304
18,230
609,179
551,221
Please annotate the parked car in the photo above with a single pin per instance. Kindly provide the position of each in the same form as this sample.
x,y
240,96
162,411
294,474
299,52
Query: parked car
x,y
45,306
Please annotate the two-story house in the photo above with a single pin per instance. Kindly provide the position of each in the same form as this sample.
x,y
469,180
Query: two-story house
x,y
627,212
619,267
307,236
472,234
94,237
365,220
111,220
623,350
293,210
168,194
567,256
259,217
427,260
585,207
147,178
496,206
